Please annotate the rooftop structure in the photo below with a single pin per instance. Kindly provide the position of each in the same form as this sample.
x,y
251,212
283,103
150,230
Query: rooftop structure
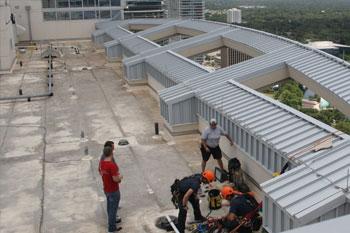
x,y
186,9
267,134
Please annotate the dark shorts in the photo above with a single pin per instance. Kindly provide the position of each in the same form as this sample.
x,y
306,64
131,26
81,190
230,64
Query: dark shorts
x,y
216,151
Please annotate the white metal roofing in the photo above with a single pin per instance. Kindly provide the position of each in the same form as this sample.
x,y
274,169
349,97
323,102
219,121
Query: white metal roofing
x,y
117,32
318,185
248,69
340,225
175,67
138,44
261,41
330,72
285,129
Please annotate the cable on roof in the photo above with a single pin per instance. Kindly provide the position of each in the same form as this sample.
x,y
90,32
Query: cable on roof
x,y
312,146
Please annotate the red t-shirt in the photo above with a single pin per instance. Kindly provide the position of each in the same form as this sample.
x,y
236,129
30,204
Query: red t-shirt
x,y
108,169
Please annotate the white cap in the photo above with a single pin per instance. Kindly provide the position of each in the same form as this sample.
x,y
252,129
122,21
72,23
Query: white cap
x,y
213,121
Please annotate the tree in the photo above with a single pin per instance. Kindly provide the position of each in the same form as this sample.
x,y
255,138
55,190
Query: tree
x,y
343,126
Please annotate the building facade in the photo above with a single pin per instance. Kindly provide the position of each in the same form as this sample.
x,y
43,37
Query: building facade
x,y
7,40
143,9
234,15
186,9
63,19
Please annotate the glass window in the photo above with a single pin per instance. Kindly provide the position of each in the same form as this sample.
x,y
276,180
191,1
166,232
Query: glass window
x,y
115,2
88,3
75,3
48,3
63,15
117,14
104,3
49,16
105,14
76,14
62,3
89,15
97,14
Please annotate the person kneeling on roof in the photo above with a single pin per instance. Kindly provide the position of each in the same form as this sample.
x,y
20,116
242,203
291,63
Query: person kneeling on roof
x,y
242,214
188,188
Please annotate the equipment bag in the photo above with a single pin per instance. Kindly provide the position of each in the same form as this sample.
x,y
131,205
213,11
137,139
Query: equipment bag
x,y
214,199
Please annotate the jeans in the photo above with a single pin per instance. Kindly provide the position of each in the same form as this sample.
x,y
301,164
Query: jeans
x,y
112,207
183,213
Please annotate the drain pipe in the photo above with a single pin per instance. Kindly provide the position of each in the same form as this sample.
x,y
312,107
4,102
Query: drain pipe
x,y
29,97
29,23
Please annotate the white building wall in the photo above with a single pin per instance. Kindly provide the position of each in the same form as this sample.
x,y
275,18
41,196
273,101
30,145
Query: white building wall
x,y
234,15
55,29
7,41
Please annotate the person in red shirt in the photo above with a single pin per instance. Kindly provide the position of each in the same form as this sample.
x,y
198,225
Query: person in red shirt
x,y
111,178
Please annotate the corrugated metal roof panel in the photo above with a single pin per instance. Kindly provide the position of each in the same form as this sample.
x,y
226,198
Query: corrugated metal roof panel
x,y
118,32
249,107
309,190
138,44
202,25
176,67
325,70
262,42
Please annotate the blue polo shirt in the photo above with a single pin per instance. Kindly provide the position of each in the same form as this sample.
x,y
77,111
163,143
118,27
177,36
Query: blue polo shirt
x,y
193,183
240,206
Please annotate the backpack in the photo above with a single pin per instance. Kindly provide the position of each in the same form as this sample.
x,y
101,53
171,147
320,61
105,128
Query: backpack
x,y
256,219
175,190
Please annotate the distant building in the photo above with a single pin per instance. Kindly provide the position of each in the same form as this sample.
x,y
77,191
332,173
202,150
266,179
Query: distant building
x,y
63,19
143,9
234,15
7,40
186,9
329,47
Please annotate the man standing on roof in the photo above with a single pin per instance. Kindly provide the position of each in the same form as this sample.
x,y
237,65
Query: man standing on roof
x,y
189,187
111,144
210,143
243,208
111,178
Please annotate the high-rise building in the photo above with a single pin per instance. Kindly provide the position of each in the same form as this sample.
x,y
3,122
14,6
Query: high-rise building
x,y
234,15
7,40
63,19
186,9
143,9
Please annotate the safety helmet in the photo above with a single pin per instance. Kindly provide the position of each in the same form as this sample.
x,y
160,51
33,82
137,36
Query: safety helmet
x,y
209,175
226,191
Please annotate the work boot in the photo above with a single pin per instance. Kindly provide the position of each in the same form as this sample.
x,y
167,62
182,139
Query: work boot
x,y
202,219
118,219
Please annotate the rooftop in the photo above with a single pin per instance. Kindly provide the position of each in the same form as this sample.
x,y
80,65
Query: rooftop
x,y
50,148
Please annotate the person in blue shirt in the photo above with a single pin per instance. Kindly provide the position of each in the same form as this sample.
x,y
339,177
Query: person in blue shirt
x,y
189,187
240,207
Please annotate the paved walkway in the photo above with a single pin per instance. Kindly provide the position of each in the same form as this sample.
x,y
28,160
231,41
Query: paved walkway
x,y
49,180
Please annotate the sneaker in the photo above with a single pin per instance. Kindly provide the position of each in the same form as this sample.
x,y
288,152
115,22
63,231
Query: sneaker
x,y
118,219
202,219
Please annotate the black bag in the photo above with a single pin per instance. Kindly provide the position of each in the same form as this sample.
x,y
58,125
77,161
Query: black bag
x,y
175,191
256,222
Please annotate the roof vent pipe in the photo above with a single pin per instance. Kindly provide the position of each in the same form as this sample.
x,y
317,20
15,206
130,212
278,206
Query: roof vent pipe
x,y
29,23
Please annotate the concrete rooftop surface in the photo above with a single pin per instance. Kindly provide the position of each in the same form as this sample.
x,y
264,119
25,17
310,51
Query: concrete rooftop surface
x,y
50,147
